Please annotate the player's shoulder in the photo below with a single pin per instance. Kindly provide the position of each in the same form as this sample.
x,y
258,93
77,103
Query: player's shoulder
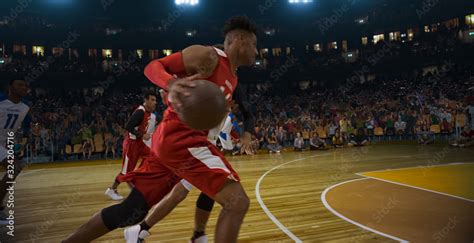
x,y
140,108
201,52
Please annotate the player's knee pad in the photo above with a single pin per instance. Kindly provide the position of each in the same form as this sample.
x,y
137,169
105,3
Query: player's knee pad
x,y
204,202
129,212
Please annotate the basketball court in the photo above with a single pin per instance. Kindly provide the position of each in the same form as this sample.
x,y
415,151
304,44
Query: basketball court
x,y
379,193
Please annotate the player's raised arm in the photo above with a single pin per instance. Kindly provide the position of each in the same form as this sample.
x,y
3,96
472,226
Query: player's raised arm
x,y
194,60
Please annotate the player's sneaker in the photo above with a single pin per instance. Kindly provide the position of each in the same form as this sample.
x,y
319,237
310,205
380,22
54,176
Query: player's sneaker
x,y
200,239
134,234
113,194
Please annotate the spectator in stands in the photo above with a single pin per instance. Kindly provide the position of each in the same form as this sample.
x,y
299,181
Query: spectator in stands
x,y
359,139
109,146
400,126
255,144
62,141
306,135
298,143
445,126
343,126
273,145
291,128
460,122
332,130
425,136
389,126
281,136
411,123
338,140
119,145
370,125
466,139
470,112
86,132
36,139
316,143
86,149
44,134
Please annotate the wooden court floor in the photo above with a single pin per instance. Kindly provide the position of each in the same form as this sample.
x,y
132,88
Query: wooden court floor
x,y
285,190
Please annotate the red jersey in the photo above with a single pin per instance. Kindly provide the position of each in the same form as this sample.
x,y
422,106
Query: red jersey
x,y
145,125
222,76
179,151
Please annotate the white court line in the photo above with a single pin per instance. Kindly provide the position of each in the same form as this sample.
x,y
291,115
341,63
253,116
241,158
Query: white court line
x,y
30,172
418,166
267,211
415,187
326,204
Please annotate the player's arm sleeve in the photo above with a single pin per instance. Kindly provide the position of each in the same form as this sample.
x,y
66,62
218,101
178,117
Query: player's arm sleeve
x,y
195,59
134,121
244,106
160,71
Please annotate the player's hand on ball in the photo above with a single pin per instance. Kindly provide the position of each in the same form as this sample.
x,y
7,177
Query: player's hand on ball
x,y
178,89
146,136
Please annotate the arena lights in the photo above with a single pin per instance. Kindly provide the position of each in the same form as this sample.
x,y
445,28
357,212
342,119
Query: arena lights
x,y
186,2
300,1
59,2
191,33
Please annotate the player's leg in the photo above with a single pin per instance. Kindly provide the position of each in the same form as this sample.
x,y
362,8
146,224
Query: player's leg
x,y
126,148
134,151
158,212
235,204
131,154
204,206
131,211
208,162
165,206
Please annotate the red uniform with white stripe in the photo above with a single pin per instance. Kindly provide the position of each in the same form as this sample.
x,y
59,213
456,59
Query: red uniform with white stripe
x,y
133,147
181,152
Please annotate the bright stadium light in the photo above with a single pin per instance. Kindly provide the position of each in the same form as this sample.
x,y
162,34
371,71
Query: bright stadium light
x,y
186,2
300,1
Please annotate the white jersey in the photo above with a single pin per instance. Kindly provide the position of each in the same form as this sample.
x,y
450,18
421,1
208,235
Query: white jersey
x,y
150,129
224,135
11,117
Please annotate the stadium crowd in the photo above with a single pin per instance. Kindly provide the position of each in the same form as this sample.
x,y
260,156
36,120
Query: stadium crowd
x,y
433,99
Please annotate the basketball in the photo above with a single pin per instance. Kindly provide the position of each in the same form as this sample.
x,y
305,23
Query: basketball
x,y
205,108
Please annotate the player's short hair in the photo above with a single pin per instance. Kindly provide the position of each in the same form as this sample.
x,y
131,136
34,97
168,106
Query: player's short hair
x,y
147,95
239,23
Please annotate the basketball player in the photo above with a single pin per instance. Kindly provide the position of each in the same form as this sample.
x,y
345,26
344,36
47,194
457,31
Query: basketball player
x,y
204,204
12,113
137,142
180,152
